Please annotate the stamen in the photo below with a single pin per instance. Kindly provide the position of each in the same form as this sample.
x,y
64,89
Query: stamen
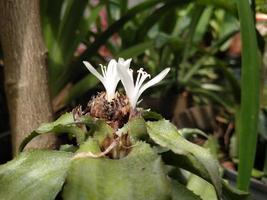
x,y
104,70
138,76
135,88
142,76
130,72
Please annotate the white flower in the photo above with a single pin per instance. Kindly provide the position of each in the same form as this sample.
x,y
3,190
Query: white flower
x,y
109,77
134,90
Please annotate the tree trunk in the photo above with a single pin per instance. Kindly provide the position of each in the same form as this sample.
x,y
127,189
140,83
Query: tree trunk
x,y
25,71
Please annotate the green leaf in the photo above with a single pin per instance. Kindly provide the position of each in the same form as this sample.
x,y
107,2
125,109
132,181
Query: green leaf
x,y
136,128
91,145
211,95
155,18
64,119
230,193
68,148
70,22
250,92
227,5
64,124
165,134
233,81
138,176
150,115
136,50
50,17
201,187
180,192
81,87
169,20
34,175
101,130
62,48
191,164
190,132
203,24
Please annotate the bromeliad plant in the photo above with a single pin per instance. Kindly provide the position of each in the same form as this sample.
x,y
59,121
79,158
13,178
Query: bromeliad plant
x,y
120,152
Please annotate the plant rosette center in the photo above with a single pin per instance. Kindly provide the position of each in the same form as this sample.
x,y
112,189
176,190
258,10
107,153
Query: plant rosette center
x,y
115,108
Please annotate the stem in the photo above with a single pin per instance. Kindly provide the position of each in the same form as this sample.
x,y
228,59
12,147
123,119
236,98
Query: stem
x,y
25,72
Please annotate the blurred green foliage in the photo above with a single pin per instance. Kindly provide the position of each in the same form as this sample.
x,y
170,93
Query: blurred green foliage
x,y
191,37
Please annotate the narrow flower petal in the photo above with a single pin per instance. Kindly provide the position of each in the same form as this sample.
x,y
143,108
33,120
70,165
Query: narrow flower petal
x,y
93,70
134,90
112,68
125,62
155,80
126,75
109,77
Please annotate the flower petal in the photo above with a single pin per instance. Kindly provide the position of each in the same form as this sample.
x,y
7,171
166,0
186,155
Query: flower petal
x,y
154,81
93,71
125,75
125,62
111,69
111,80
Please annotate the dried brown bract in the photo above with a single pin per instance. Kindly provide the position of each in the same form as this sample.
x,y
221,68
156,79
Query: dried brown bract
x,y
115,112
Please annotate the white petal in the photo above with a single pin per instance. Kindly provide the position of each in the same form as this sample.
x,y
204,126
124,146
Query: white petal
x,y
125,62
125,75
154,81
93,71
121,60
111,70
111,80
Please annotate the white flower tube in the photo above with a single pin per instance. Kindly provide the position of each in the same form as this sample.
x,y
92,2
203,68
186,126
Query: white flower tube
x,y
134,90
109,77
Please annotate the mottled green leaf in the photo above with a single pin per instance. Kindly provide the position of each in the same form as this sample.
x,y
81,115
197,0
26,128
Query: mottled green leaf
x,y
201,187
91,145
64,124
191,132
180,192
136,127
231,193
165,134
139,176
191,164
34,175
101,130
150,115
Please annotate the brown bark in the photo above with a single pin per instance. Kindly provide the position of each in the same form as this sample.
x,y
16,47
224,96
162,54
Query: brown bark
x,y
25,71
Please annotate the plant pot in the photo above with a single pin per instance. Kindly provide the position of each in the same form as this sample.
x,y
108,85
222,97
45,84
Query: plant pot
x,y
258,190
5,147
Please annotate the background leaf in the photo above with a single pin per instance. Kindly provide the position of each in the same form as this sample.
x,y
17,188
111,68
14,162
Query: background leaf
x,y
250,92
